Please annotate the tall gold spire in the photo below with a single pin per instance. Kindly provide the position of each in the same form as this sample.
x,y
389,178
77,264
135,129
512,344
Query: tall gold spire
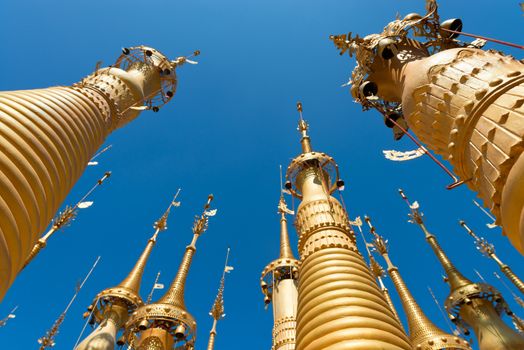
x,y
112,307
376,269
166,322
340,305
279,285
52,134
424,334
488,249
217,310
475,305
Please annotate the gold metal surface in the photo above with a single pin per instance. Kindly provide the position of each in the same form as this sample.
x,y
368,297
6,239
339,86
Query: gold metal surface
x,y
340,306
423,333
169,315
279,283
217,310
472,305
464,103
51,134
488,249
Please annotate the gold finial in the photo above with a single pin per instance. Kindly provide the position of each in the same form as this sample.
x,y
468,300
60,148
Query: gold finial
x,y
9,316
64,219
285,246
185,59
303,127
217,311
48,340
133,280
156,285
175,294
422,331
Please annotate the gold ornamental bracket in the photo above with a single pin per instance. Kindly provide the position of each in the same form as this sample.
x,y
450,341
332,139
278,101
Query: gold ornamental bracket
x,y
322,162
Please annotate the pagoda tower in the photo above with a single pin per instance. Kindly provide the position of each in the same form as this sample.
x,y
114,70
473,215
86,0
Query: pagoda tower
x,y
464,103
111,307
340,305
487,249
424,334
279,283
217,310
475,305
166,323
49,135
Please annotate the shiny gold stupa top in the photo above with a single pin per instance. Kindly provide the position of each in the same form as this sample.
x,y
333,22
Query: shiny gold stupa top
x,y
166,323
51,134
464,103
340,306
424,334
475,305
111,307
279,283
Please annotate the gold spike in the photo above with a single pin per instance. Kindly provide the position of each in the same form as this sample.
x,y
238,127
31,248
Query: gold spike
x,y
134,278
285,247
175,293
303,127
421,329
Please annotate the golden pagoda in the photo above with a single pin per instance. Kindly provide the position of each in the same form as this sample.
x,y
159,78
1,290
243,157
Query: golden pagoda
x,y
51,134
488,249
424,334
111,307
466,104
217,310
166,323
475,305
340,306
279,283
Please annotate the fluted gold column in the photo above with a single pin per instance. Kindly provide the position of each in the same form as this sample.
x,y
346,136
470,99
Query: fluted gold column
x,y
424,334
475,305
49,135
464,103
279,282
339,303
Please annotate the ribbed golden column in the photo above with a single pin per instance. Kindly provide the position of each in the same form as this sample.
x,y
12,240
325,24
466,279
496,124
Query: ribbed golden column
x,y
423,333
475,305
49,135
279,283
464,103
339,303
166,322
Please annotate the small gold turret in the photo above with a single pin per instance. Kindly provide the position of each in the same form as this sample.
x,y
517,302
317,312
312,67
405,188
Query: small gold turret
x,y
279,283
340,305
217,310
488,249
424,334
112,307
475,305
166,323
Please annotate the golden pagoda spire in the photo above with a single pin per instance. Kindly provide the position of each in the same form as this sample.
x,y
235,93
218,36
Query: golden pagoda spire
x,y
464,103
111,307
424,334
217,310
475,305
279,283
376,269
166,322
340,305
53,133
63,219
488,249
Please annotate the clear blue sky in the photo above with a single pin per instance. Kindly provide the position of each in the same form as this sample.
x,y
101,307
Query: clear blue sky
x,y
230,125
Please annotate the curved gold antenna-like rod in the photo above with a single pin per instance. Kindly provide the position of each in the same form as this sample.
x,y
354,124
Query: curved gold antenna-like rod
x,y
63,219
48,340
